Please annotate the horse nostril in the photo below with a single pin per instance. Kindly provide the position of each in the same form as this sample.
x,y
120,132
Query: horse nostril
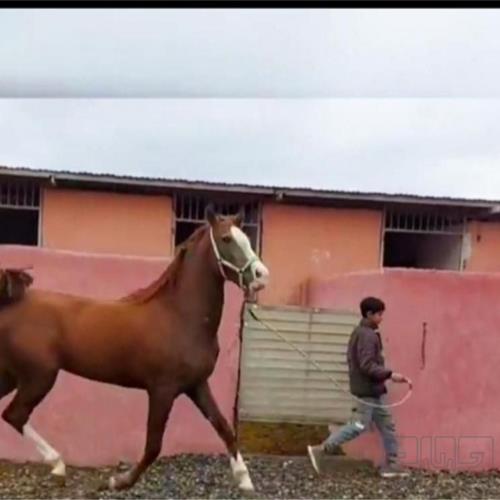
x,y
258,274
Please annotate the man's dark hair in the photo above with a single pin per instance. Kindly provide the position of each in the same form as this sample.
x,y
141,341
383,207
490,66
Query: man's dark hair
x,y
371,304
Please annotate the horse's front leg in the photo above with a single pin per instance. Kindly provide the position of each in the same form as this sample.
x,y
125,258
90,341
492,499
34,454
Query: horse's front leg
x,y
160,403
202,397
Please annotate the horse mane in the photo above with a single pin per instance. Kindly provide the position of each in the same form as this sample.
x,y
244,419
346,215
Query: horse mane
x,y
170,275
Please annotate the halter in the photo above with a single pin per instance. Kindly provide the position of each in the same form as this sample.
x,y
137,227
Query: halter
x,y
221,262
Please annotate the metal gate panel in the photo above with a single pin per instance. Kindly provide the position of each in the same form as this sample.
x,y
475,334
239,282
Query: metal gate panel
x,y
277,384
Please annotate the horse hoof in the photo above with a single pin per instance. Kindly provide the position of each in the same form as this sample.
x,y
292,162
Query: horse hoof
x,y
113,483
249,493
58,480
245,485
120,482
58,473
59,469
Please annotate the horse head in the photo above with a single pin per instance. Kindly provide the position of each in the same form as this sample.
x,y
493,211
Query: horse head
x,y
233,251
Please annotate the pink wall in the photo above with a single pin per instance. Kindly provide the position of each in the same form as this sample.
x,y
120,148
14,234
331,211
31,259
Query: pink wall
x,y
96,424
452,419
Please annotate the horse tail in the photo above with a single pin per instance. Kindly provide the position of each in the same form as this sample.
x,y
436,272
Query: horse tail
x,y
13,285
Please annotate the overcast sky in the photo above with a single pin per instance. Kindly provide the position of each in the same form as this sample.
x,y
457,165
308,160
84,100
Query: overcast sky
x,y
250,52
371,100
422,146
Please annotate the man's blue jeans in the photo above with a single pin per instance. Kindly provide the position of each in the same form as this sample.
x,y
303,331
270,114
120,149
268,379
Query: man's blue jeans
x,y
363,416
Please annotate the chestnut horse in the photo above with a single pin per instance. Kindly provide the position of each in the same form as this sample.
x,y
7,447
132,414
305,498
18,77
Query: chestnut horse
x,y
162,339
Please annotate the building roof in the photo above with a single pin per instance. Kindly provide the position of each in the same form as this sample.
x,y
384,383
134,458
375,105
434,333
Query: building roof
x,y
289,193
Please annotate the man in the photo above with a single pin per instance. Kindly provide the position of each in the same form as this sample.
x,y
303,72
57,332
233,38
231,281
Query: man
x,y
367,376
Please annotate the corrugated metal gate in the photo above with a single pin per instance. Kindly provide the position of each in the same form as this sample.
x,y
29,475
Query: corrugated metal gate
x,y
277,384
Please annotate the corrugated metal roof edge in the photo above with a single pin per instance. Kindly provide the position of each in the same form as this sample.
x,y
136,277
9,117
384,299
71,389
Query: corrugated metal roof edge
x,y
290,192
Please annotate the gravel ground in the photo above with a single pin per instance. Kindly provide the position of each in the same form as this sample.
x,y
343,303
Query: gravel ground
x,y
274,477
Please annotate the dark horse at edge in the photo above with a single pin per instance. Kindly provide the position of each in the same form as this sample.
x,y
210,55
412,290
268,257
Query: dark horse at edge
x,y
162,339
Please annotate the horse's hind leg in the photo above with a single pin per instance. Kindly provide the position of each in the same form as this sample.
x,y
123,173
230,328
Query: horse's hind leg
x,y
161,400
202,397
28,396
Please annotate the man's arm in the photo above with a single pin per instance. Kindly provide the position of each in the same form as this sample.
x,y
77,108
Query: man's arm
x,y
366,348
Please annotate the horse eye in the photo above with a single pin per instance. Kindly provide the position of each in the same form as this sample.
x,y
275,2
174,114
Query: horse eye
x,y
226,238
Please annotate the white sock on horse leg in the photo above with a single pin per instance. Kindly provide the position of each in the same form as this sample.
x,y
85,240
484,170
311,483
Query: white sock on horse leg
x,y
48,453
240,473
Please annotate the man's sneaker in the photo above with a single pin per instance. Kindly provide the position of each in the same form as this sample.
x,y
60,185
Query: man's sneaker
x,y
316,455
393,470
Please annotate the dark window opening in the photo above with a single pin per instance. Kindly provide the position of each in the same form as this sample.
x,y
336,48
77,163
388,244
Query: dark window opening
x,y
423,237
18,227
19,193
19,211
422,251
183,230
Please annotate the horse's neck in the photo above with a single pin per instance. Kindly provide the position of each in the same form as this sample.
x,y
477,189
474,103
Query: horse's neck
x,y
199,289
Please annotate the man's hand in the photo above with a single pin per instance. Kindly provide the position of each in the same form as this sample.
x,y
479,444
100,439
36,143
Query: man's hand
x,y
398,378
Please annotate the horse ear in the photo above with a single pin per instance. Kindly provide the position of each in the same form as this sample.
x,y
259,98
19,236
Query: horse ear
x,y
210,214
239,218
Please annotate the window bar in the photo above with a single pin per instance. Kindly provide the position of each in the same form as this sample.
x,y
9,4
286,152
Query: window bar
x,y
188,207
184,207
180,212
6,193
178,206
196,209
199,213
32,194
192,215
15,193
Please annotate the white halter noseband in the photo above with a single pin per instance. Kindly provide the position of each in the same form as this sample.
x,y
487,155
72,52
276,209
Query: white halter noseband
x,y
225,263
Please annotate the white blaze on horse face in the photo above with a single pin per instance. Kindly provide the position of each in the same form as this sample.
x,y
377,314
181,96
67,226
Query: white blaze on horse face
x,y
49,454
260,273
241,474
